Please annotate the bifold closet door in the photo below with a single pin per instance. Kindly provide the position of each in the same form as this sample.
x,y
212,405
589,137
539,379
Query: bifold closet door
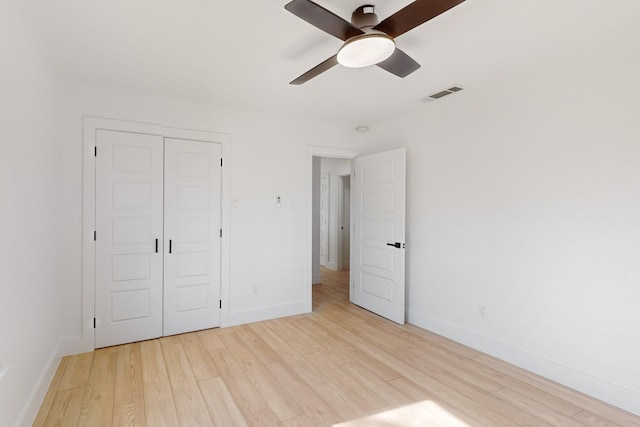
x,y
129,226
192,238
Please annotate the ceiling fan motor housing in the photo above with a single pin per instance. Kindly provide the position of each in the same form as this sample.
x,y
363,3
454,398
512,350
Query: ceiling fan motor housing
x,y
364,17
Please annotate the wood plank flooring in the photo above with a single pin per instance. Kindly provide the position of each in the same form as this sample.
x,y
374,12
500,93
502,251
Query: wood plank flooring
x,y
339,365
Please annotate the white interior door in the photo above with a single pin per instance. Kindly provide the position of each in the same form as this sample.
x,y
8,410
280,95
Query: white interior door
x,y
378,241
324,220
345,229
192,235
128,298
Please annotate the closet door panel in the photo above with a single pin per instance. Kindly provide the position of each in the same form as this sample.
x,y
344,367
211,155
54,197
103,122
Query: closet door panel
x,y
192,236
129,219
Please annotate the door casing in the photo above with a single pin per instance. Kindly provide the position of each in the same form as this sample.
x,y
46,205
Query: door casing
x,y
90,125
316,151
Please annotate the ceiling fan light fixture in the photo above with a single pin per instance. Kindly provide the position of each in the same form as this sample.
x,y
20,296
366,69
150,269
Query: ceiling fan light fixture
x,y
366,49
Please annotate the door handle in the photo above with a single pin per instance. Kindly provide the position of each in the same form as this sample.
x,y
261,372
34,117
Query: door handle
x,y
395,245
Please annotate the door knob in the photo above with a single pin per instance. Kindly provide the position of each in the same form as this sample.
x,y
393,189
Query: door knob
x,y
395,245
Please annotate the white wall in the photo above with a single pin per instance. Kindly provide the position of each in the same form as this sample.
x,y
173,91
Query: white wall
x,y
522,200
526,202
29,213
267,259
333,168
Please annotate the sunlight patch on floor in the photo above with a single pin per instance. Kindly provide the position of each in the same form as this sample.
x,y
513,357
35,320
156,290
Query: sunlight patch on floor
x,y
423,414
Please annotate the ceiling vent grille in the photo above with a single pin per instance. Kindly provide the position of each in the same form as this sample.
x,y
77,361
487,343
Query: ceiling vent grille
x,y
442,93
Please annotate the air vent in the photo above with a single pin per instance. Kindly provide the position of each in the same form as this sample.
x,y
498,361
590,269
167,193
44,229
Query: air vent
x,y
442,94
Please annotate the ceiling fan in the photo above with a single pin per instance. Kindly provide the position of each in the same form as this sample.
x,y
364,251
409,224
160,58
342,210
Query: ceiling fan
x,y
367,41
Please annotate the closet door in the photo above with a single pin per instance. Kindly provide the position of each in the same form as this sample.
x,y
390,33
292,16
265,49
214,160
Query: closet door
x,y
192,235
128,298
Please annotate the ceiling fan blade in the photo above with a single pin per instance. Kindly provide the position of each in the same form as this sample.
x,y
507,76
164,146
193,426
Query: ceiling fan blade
x,y
399,63
416,13
318,69
322,18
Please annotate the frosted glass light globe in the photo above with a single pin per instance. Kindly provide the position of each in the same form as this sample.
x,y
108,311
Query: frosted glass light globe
x,y
364,50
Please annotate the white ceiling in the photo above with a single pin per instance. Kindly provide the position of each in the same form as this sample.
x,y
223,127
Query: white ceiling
x,y
243,53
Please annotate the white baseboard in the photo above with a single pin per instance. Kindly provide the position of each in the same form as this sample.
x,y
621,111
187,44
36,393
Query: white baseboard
x,y
73,345
332,265
30,410
257,315
599,388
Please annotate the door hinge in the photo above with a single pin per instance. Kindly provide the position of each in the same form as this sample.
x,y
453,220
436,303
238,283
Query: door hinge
x,y
220,303
95,151
94,235
94,323
220,161
221,232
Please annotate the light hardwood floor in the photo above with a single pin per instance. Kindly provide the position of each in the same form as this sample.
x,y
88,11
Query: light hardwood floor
x,y
339,364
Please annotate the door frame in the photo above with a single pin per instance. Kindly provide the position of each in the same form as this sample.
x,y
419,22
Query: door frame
x,y
90,125
316,151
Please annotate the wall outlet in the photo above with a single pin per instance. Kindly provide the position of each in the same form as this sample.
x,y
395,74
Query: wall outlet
x,y
254,290
482,310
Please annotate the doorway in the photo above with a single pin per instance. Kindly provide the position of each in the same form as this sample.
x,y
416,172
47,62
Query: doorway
x,y
331,193
315,154
331,232
377,229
